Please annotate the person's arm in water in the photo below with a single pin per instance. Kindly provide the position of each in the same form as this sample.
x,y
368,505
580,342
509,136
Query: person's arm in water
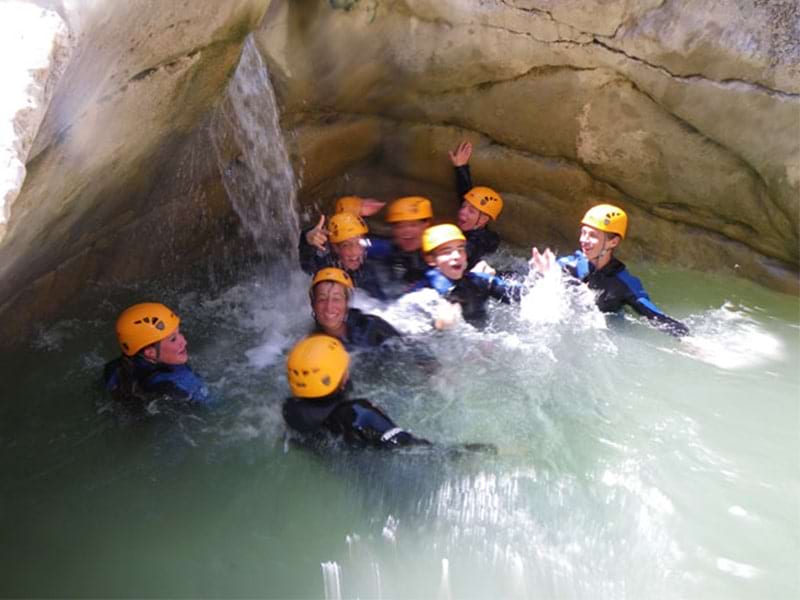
x,y
365,423
501,289
180,383
313,248
638,299
460,159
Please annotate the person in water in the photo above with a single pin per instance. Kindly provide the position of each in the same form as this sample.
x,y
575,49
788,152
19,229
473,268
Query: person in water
x,y
343,245
330,296
318,370
603,228
154,360
445,249
478,207
401,261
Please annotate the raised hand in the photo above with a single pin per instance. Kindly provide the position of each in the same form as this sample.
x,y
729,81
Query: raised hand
x,y
461,155
318,236
542,262
369,206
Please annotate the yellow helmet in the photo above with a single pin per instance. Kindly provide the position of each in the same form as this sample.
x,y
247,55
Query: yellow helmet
x,y
608,218
435,236
485,200
351,204
345,225
409,208
144,324
316,366
332,274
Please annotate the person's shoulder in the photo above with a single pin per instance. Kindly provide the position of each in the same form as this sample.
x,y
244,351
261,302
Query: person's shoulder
x,y
571,259
621,273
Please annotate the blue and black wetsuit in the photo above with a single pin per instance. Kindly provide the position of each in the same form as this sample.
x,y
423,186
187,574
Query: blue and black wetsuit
x,y
367,277
135,381
358,422
480,242
397,270
616,287
472,291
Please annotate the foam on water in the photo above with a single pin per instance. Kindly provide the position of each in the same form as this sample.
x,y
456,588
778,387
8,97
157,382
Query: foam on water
x,y
730,338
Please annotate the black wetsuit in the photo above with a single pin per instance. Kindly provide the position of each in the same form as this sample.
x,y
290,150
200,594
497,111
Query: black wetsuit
x,y
398,271
616,288
365,331
472,292
366,277
480,242
358,422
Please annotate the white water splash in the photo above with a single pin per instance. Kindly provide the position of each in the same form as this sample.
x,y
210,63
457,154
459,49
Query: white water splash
x,y
730,339
332,580
444,583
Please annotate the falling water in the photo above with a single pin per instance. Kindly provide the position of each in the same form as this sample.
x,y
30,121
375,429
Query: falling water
x,y
252,157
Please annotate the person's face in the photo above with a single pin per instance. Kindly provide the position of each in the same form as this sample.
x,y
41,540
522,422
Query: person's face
x,y
408,234
593,242
351,253
171,350
330,305
450,259
470,218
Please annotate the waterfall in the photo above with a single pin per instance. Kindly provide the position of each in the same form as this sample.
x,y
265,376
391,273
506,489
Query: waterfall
x,y
253,160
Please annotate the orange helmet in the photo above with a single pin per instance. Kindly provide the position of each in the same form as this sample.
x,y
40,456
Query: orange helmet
x,y
409,208
608,218
350,204
144,324
485,200
332,274
316,366
345,225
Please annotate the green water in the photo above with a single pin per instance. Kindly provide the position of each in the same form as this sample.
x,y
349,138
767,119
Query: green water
x,y
630,464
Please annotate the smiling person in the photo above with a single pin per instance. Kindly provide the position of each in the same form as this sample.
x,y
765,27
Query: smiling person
x,y
445,249
343,244
330,296
479,206
603,228
154,361
401,259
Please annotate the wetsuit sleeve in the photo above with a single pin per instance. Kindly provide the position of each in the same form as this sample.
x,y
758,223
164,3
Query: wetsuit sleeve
x,y
480,242
463,182
504,290
366,423
639,300
111,374
311,259
379,330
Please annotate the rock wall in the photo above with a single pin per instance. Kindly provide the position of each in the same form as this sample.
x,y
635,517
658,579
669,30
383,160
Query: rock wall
x,y
118,183
687,114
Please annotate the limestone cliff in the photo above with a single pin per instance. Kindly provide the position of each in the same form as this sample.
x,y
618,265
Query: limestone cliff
x,y
687,114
